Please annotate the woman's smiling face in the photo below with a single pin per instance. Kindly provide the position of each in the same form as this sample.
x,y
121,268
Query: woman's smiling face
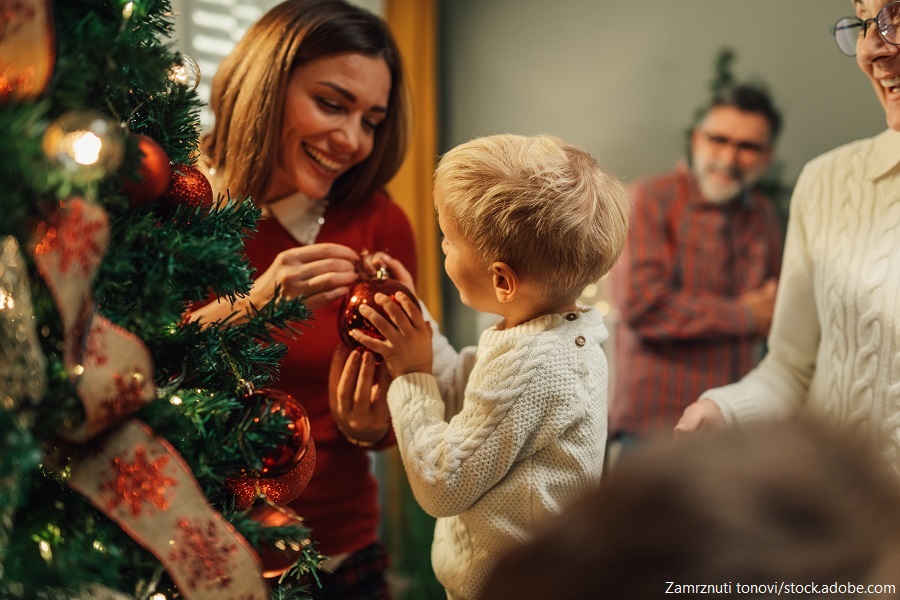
x,y
880,61
331,113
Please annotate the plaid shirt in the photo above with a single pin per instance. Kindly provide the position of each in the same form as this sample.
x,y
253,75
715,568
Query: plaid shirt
x,y
682,328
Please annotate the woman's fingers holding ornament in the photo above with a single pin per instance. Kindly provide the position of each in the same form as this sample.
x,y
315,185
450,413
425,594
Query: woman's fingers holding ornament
x,y
362,411
347,384
320,272
395,268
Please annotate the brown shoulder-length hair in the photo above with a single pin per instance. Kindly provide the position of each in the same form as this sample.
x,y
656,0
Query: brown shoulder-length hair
x,y
249,88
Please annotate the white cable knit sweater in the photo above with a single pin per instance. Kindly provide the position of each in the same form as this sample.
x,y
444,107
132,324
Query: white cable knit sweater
x,y
502,436
834,346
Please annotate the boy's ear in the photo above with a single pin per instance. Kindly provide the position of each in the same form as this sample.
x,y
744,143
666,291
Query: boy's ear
x,y
506,282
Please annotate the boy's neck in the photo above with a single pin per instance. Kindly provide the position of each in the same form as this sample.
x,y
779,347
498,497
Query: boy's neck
x,y
516,315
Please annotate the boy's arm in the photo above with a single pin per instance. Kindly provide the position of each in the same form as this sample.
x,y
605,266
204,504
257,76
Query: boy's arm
x,y
451,369
452,464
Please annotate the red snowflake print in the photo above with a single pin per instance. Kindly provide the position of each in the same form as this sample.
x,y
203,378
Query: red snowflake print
x,y
138,483
125,400
203,555
14,14
75,239
94,352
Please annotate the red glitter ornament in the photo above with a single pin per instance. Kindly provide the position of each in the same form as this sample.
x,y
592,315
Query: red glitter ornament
x,y
364,292
281,490
154,174
279,556
287,469
286,455
188,186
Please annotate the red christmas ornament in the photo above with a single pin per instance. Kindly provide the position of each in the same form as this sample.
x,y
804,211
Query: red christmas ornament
x,y
364,292
286,455
279,556
287,469
154,174
283,489
188,186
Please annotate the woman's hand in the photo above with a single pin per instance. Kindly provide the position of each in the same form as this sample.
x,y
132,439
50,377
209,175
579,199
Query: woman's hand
x,y
357,393
320,272
406,347
372,262
701,415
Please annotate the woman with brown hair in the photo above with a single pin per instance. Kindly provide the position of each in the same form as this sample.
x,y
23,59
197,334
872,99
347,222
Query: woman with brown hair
x,y
311,123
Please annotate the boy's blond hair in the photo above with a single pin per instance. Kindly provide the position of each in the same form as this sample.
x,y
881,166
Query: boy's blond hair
x,y
539,204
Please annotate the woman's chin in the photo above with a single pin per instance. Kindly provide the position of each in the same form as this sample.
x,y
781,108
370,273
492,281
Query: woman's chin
x,y
893,120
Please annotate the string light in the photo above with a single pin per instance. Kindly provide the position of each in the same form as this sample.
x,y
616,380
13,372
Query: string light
x,y
45,550
6,300
85,143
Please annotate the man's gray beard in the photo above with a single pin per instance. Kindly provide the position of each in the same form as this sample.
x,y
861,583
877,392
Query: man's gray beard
x,y
731,191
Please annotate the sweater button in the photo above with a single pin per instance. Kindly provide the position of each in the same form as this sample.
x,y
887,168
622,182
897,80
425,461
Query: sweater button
x,y
580,341
571,317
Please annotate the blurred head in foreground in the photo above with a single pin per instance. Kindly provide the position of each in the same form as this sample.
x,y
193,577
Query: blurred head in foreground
x,y
794,502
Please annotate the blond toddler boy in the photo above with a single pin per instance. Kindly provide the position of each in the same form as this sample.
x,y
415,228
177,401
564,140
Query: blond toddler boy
x,y
498,437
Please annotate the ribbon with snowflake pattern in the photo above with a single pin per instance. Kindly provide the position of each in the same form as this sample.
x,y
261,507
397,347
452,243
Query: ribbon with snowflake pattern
x,y
135,477
27,48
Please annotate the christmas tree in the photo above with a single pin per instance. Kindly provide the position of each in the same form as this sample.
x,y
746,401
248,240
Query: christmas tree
x,y
141,455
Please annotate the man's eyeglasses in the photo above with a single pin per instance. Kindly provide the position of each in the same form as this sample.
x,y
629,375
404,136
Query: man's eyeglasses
x,y
721,141
849,29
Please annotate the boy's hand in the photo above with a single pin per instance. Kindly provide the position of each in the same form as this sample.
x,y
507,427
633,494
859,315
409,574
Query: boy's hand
x,y
406,347
358,395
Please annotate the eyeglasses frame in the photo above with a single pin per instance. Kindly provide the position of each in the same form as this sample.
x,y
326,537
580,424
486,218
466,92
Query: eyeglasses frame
x,y
864,23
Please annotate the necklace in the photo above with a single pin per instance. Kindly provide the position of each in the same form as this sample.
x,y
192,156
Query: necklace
x,y
301,217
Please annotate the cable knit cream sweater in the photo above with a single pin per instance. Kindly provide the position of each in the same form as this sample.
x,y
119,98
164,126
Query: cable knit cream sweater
x,y
502,436
834,347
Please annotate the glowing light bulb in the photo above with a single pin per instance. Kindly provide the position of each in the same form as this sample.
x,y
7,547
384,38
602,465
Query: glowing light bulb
x,y
86,148
87,144
45,550
6,300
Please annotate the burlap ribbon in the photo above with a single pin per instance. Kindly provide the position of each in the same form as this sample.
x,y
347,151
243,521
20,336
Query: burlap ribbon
x,y
135,477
